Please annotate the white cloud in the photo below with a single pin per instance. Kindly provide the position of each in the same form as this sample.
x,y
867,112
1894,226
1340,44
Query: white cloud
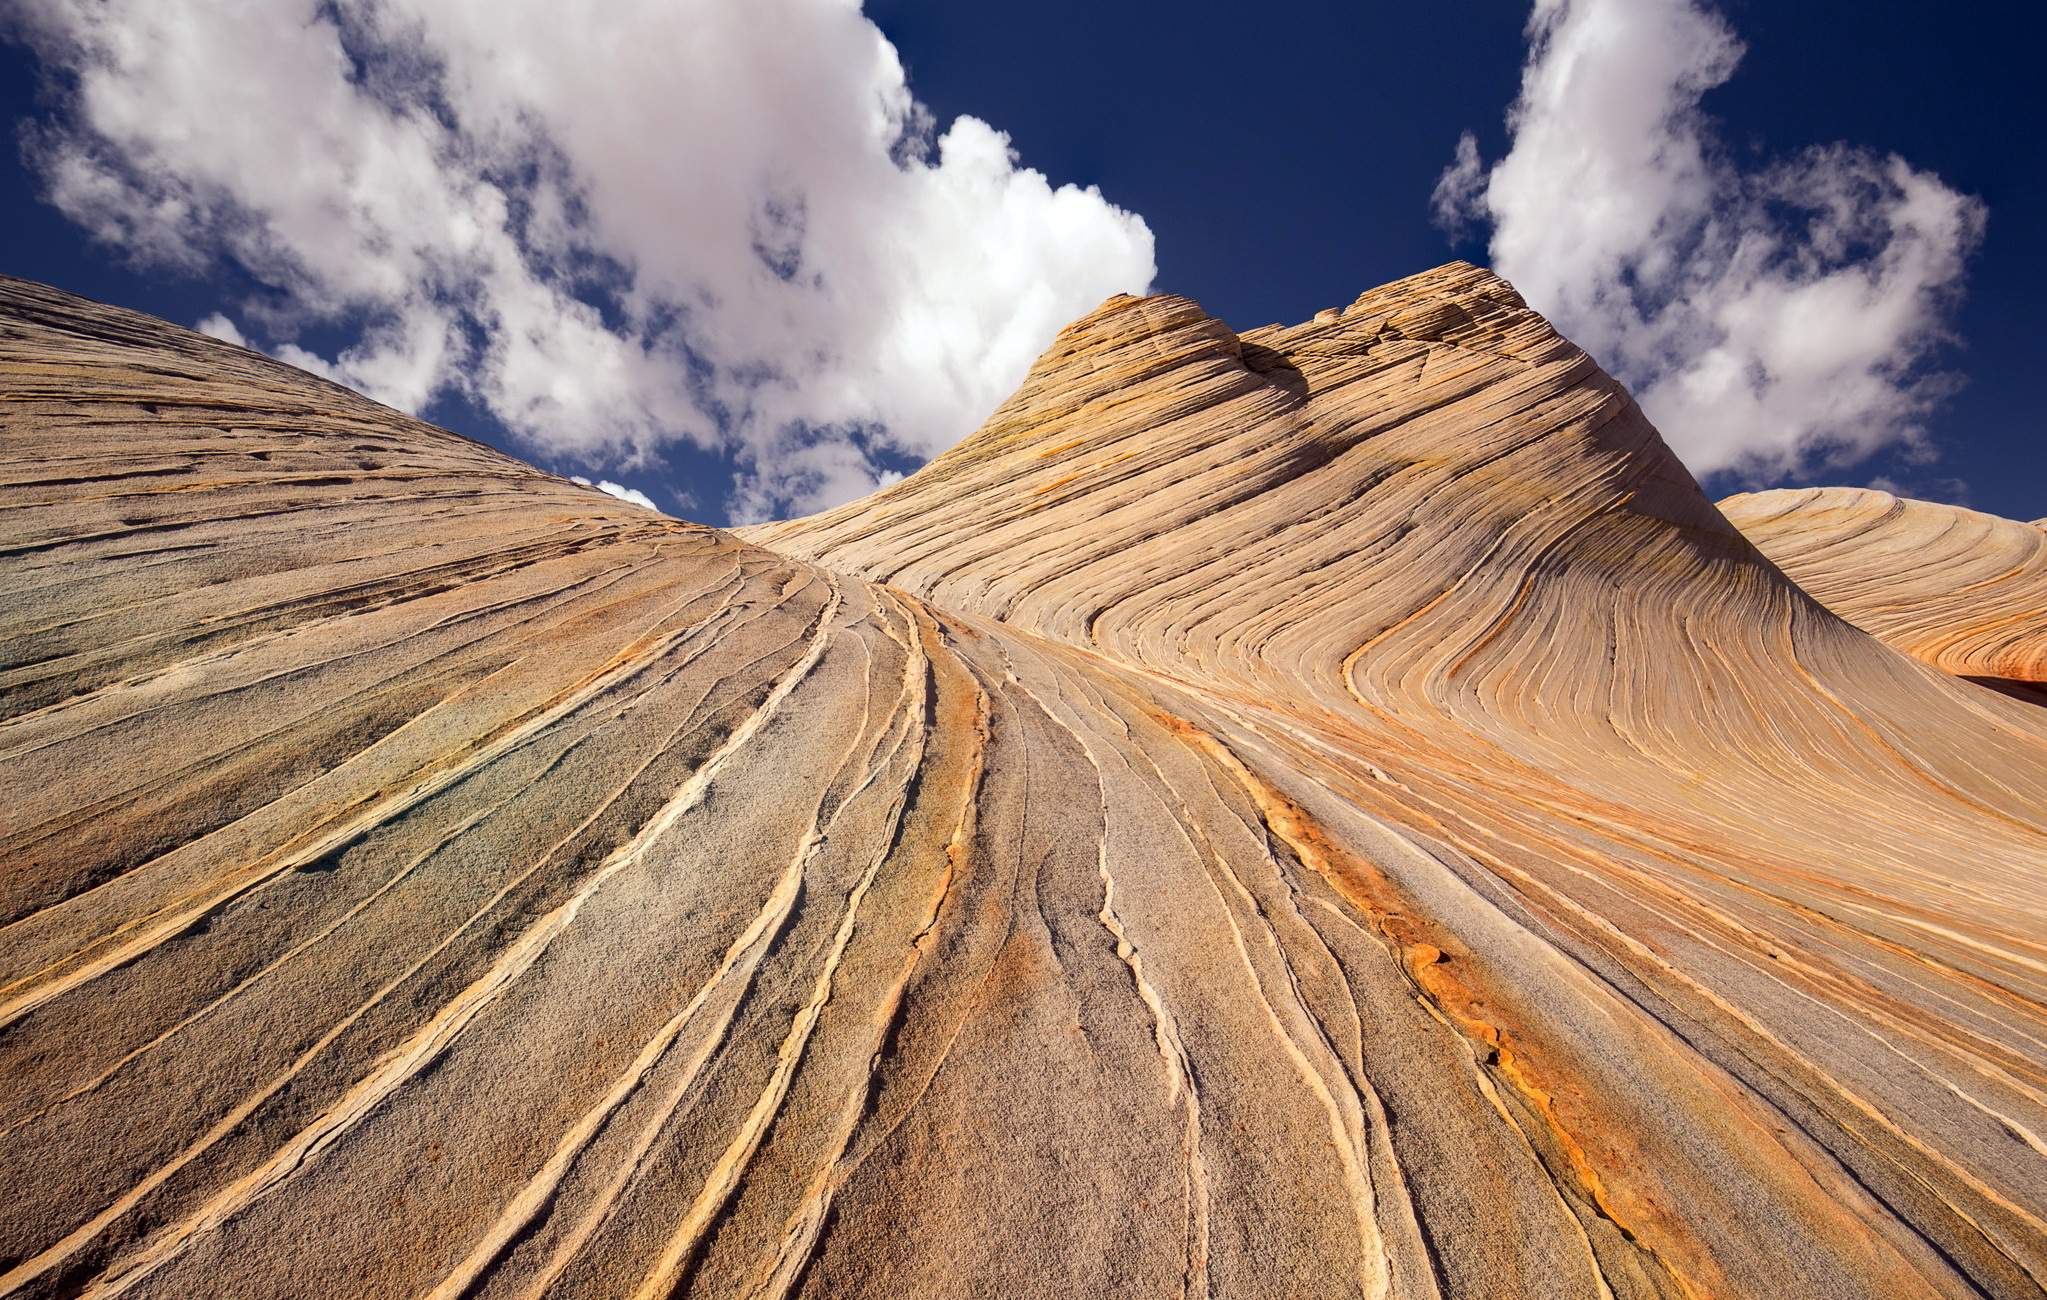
x,y
618,490
1768,320
722,221
294,355
220,327
633,495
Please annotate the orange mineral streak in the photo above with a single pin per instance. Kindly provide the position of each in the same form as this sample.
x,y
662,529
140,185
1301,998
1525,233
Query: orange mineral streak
x,y
1465,1002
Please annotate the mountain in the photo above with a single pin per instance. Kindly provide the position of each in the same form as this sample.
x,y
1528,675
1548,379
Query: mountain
x,y
1331,810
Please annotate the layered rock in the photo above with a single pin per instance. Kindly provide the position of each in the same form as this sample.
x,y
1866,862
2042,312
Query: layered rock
x,y
1965,591
1320,812
1426,551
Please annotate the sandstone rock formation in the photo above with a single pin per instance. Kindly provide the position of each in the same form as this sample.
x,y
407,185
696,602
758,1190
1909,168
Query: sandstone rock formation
x,y
1329,811
1962,590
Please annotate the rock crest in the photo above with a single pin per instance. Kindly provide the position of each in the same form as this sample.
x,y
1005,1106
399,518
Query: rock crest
x,y
1965,591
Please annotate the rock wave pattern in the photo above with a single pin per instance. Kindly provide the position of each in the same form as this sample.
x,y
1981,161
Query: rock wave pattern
x,y
1330,811
1964,591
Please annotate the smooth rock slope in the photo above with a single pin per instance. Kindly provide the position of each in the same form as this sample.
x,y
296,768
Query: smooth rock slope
x,y
1329,811
1964,591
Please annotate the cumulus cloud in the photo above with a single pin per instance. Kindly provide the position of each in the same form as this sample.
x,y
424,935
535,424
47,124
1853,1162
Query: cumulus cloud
x,y
220,327
720,221
1770,319
618,490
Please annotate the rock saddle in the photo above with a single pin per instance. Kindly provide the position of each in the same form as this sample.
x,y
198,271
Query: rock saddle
x,y
1331,811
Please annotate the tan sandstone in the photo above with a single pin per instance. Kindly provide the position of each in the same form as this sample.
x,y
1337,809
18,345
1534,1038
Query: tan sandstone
x,y
1327,812
1964,591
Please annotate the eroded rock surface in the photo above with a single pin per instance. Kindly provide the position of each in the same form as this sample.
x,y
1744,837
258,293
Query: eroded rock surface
x,y
1963,590
1330,811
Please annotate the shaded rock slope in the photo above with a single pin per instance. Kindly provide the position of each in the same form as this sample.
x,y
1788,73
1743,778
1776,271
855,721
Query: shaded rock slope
x,y
1964,591
1330,811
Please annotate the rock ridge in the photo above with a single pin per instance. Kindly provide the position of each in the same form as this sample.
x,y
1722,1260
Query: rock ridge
x,y
1962,590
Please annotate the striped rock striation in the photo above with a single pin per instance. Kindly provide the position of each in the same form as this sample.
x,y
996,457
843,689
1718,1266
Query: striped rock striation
x,y
1328,811
1965,591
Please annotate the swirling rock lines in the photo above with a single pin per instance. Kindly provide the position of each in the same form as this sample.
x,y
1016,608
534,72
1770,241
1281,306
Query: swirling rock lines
x,y
1330,811
1964,591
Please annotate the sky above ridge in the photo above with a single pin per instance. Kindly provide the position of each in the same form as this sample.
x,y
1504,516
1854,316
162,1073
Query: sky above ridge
x,y
750,257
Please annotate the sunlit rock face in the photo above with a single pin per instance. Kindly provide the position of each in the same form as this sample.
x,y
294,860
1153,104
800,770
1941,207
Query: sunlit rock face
x,y
1326,811
1964,591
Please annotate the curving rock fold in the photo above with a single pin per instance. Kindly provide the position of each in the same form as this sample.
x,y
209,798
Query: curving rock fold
x,y
1326,811
1965,591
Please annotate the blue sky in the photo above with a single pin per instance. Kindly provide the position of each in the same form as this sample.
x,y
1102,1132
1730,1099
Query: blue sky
x,y
1267,166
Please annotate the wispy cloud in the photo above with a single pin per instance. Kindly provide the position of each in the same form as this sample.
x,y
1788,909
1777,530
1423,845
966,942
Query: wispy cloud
x,y
721,221
1769,320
